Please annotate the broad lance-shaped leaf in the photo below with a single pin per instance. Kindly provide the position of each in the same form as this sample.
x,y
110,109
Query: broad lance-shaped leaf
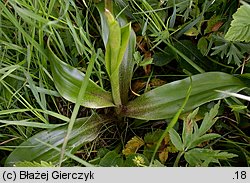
x,y
163,102
240,26
68,81
85,130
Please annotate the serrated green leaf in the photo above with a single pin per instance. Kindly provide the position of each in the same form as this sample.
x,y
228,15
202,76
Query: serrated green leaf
x,y
111,159
203,45
151,140
164,101
85,130
153,137
240,26
132,146
68,81
176,140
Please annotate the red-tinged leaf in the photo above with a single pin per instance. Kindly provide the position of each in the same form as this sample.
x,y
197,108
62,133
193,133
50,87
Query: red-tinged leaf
x,y
164,101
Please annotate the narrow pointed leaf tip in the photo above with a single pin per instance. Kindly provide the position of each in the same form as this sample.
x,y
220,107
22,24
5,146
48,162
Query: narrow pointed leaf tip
x,y
110,17
163,102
